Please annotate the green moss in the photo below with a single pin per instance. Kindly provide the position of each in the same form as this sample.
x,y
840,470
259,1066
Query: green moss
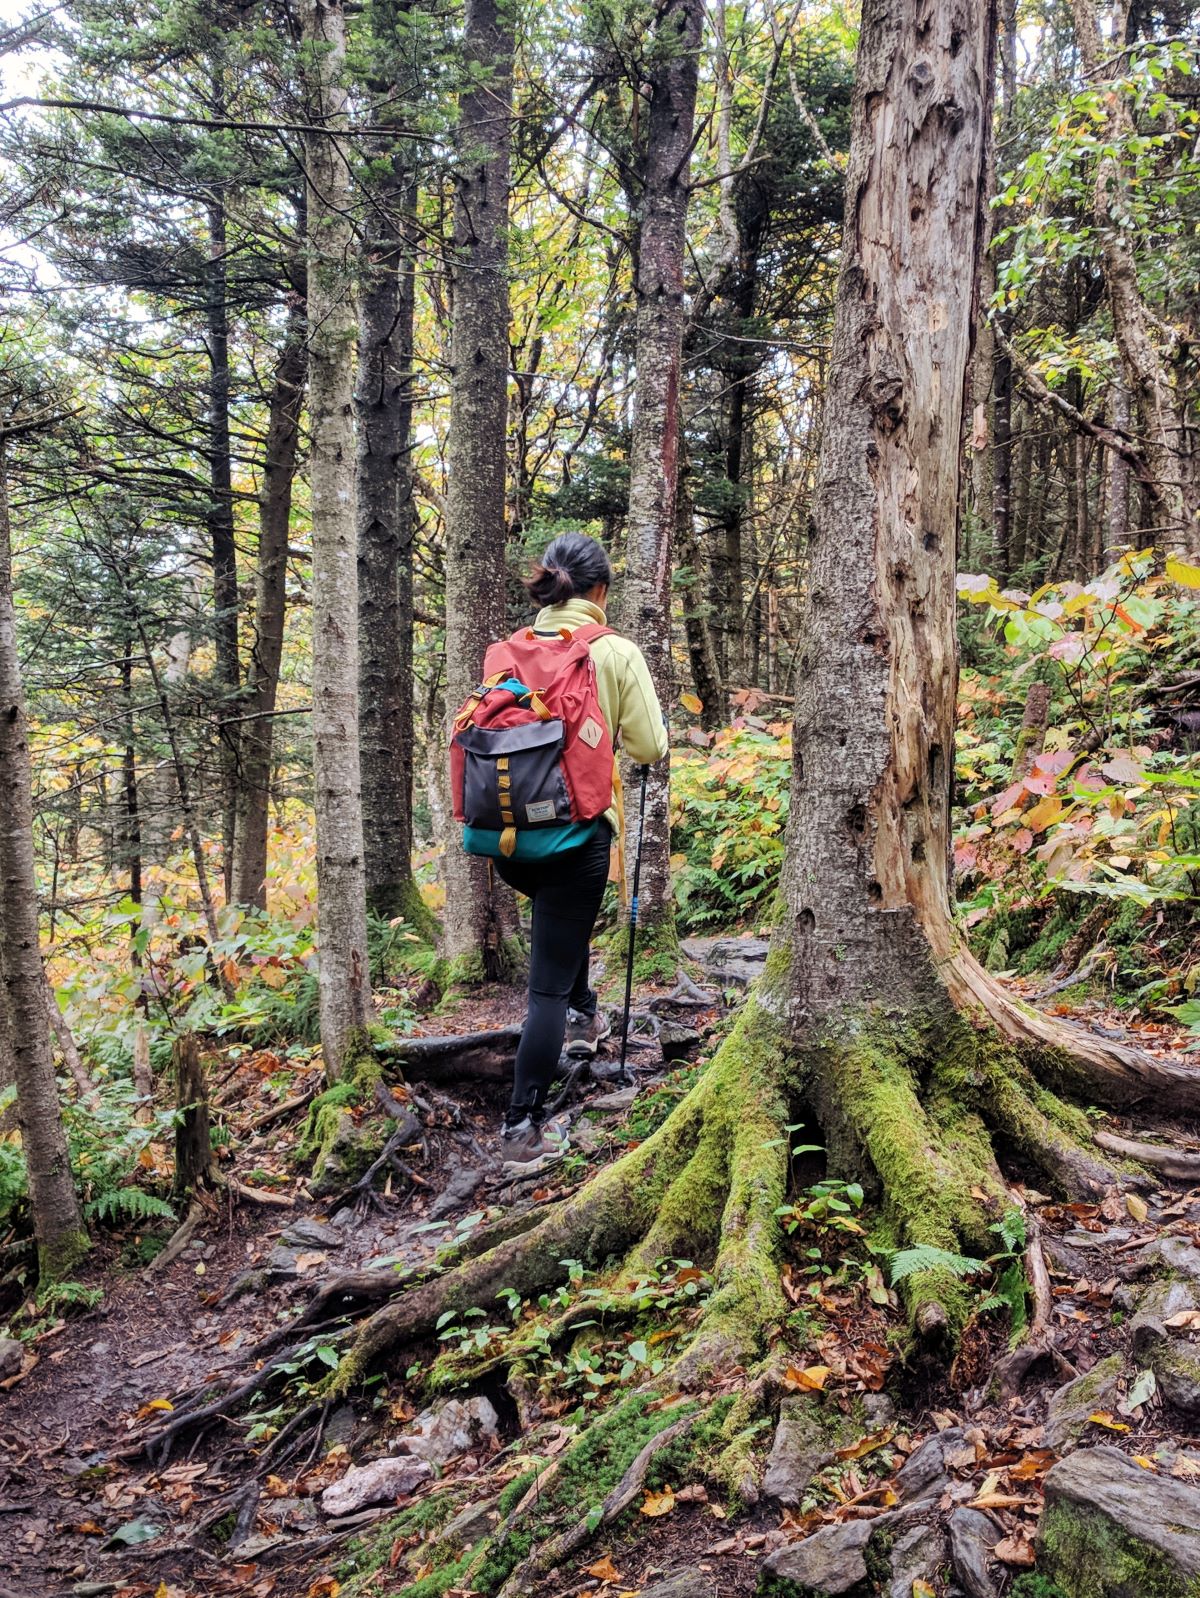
x,y
369,1554
467,971
1092,1557
656,953
57,1259
515,1491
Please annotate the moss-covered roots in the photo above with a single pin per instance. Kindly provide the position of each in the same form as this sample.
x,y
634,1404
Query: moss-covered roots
x,y
915,1108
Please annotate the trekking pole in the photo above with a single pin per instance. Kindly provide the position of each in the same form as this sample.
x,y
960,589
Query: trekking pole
x,y
633,915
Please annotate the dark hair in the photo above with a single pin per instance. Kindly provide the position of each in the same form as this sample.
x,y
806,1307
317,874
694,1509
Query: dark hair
x,y
572,564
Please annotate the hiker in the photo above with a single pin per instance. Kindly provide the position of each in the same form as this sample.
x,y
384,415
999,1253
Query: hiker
x,y
534,780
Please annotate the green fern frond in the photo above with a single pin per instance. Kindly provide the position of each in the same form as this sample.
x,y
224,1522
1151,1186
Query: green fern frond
x,y
913,1261
127,1204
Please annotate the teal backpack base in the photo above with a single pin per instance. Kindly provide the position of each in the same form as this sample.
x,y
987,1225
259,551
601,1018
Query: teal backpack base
x,y
540,843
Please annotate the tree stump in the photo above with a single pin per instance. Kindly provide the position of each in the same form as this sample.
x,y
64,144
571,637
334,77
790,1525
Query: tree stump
x,y
193,1135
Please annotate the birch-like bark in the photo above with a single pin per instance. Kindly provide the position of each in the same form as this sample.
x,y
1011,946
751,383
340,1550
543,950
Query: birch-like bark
x,y
475,930
270,612
57,1222
341,881
645,609
387,525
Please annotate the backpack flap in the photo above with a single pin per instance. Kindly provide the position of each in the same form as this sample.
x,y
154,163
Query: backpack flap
x,y
512,777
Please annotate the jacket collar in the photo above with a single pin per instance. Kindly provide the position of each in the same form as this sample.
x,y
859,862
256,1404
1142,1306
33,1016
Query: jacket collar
x,y
574,613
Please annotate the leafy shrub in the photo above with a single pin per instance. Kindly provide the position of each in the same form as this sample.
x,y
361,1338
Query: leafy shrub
x,y
729,806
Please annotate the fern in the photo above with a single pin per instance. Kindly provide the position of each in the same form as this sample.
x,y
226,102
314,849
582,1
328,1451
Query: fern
x,y
1012,1230
912,1261
127,1204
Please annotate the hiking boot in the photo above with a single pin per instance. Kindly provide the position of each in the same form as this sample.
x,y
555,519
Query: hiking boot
x,y
585,1033
530,1146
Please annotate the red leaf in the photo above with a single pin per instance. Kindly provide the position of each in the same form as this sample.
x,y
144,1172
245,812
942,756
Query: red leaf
x,y
1010,797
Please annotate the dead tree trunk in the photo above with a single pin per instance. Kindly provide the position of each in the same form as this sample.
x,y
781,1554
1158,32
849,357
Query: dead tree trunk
x,y
270,612
476,930
341,881
654,454
193,1135
387,526
57,1221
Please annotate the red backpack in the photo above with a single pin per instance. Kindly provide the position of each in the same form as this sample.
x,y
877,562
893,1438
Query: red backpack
x,y
531,756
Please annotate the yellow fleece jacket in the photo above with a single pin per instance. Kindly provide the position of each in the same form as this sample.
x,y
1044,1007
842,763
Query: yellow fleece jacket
x,y
623,684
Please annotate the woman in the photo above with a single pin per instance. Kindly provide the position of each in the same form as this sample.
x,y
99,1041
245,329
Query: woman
x,y
571,584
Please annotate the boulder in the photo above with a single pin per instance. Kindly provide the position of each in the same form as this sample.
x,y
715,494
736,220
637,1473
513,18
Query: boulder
x,y
678,1041
1069,1408
457,1427
12,1355
832,1561
688,1584
809,1432
309,1234
916,1556
457,1191
972,1537
1112,1530
380,1482
734,961
1177,1256
927,1469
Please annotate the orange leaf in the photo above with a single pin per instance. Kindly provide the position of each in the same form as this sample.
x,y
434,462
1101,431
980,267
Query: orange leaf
x,y
604,1570
810,1380
658,1503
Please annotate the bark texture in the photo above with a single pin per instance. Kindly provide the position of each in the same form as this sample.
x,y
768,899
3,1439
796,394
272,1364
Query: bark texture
x,y
58,1225
270,611
341,881
475,928
1158,407
387,525
654,452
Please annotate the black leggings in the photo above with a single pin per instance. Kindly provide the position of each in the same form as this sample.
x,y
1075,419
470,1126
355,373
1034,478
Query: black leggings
x,y
566,891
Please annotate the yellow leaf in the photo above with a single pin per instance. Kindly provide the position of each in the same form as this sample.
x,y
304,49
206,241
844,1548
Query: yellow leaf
x,y
1181,571
161,1403
922,1589
1136,1206
810,1380
1044,814
690,701
1103,1418
1146,1464
604,1570
658,1503
274,976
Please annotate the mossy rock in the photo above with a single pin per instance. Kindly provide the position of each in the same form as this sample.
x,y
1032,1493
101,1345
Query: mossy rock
x,y
1113,1530
1070,1406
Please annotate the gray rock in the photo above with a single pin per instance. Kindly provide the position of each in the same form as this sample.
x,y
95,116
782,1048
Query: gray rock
x,y
343,1424
380,1482
458,1191
1177,1255
453,1428
1176,1366
971,1537
915,1556
282,1264
621,1099
688,1584
925,1470
248,1282
1157,1304
12,1356
801,1448
1111,1529
1070,1406
831,1561
737,961
309,1234
472,1523
678,1041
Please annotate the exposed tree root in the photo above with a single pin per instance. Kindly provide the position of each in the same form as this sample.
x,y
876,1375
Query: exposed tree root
x,y
1181,1165
482,1054
545,1558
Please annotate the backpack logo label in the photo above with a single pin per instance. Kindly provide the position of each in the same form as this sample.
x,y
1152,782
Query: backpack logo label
x,y
591,733
542,810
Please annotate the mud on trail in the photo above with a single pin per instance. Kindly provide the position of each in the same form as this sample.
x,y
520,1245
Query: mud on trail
x,y
876,1469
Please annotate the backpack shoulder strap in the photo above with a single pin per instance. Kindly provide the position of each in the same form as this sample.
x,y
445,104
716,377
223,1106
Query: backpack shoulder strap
x,y
593,630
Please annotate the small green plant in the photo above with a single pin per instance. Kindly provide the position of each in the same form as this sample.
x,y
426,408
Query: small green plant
x,y
1009,1287
116,1204
62,1298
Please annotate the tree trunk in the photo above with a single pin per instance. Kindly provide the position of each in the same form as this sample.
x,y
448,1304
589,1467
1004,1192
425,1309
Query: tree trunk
x,y
654,453
477,925
57,1221
220,524
341,881
193,1135
1118,477
1002,372
387,525
1159,409
270,612
701,653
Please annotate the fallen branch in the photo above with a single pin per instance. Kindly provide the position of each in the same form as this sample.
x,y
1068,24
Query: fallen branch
x,y
488,1054
269,1117
179,1240
1183,1165
254,1195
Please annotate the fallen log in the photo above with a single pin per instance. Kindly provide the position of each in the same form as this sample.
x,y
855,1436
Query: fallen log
x,y
488,1055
